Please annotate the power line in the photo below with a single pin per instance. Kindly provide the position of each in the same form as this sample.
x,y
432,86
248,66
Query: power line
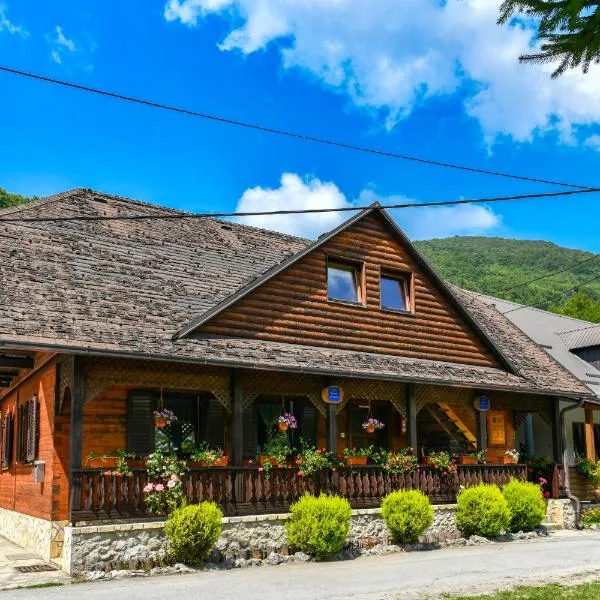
x,y
180,216
543,302
282,132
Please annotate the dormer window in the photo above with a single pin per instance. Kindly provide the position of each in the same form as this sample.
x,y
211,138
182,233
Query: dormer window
x,y
344,282
395,291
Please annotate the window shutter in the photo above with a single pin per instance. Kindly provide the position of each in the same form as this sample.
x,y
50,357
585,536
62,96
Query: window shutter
x,y
32,429
215,424
249,431
3,443
308,424
7,440
140,422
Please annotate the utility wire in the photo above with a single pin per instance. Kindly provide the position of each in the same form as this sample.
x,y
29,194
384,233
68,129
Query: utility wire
x,y
282,132
180,216
544,302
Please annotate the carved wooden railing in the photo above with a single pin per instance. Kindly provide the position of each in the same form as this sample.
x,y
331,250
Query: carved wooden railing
x,y
245,490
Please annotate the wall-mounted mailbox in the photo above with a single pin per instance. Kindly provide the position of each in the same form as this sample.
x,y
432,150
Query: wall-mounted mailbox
x,y
39,471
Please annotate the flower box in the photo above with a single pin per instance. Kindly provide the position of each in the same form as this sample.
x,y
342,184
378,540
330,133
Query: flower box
x,y
136,463
356,460
223,461
270,460
102,462
507,460
425,460
467,460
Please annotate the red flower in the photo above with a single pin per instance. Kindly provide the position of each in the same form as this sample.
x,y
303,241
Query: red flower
x,y
300,473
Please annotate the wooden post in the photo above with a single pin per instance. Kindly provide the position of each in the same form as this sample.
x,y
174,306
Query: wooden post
x,y
590,442
76,434
237,454
557,446
411,416
482,439
332,428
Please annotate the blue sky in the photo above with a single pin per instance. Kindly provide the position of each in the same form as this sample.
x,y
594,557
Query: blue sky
x,y
430,78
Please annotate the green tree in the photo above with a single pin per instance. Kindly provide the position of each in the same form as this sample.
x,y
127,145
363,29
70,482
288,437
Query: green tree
x,y
7,199
580,306
569,31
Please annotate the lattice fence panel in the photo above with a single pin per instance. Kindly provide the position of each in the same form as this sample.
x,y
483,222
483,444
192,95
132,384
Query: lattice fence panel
x,y
256,383
101,374
430,394
65,383
373,389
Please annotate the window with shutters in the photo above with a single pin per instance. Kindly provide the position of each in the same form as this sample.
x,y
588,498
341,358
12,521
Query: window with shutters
x,y
28,430
200,418
6,447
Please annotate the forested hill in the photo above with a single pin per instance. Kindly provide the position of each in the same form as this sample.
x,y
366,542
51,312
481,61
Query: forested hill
x,y
491,265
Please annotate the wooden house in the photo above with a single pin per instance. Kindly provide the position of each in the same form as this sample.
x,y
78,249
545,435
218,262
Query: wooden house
x,y
104,321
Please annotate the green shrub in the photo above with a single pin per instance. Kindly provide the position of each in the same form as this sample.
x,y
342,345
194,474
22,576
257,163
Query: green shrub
x,y
319,526
526,505
407,515
482,510
192,531
591,517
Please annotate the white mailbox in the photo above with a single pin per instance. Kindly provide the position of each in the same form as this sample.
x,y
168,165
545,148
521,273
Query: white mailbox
x,y
39,471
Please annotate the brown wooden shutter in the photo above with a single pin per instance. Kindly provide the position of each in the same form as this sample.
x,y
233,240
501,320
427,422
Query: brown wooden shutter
x,y
308,424
7,440
249,432
32,430
215,424
3,442
140,422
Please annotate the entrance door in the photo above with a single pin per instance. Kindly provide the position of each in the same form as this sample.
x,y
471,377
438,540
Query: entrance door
x,y
358,412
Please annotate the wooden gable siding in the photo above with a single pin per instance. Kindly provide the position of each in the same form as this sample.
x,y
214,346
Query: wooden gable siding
x,y
293,307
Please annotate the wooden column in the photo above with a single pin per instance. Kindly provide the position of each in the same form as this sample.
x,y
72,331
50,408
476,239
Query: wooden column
x,y
411,416
557,443
482,438
237,424
590,443
77,402
332,428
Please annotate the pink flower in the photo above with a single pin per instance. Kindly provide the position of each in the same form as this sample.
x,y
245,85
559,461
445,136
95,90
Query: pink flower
x,y
148,487
171,484
260,469
160,487
250,462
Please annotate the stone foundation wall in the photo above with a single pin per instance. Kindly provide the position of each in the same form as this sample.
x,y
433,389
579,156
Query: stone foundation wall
x,y
29,532
143,545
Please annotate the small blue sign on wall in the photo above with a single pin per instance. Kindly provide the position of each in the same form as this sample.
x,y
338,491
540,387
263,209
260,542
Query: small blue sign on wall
x,y
333,394
482,403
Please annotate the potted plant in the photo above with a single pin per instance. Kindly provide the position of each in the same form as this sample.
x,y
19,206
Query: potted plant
x,y
473,458
274,453
441,461
371,424
163,417
510,457
164,491
311,460
204,456
96,461
287,421
357,456
401,462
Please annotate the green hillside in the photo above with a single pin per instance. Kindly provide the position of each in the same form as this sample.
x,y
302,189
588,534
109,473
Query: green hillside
x,y
491,265
7,199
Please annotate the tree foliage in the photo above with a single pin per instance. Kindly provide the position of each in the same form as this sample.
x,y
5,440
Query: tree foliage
x,y
493,265
7,199
569,31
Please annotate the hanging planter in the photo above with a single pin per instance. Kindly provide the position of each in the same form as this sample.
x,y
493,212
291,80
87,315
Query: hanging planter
x,y
163,417
287,421
372,424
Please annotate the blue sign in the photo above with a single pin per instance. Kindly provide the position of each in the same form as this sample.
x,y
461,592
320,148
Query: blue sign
x,y
482,403
333,394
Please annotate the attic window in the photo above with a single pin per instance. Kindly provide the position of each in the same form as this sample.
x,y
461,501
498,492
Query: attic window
x,y
344,283
395,292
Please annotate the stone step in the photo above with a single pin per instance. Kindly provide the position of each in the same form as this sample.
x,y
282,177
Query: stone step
x,y
549,526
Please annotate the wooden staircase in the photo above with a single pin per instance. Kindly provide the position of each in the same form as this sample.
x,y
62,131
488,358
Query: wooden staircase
x,y
454,426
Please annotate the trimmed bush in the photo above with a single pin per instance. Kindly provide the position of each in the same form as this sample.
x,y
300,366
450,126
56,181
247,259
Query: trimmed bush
x,y
192,531
407,514
482,510
526,505
319,526
591,517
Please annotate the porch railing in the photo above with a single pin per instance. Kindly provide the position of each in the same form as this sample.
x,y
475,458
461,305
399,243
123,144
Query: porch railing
x,y
245,490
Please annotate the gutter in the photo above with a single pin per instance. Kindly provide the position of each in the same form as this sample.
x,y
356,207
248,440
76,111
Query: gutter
x,y
565,459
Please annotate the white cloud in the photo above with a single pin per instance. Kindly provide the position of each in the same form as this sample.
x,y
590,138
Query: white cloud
x,y
593,142
295,193
391,56
61,45
7,25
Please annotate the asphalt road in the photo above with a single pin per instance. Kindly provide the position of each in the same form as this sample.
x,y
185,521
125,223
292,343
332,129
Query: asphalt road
x,y
566,557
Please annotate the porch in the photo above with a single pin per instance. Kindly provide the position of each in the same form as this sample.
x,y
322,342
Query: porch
x,y
108,405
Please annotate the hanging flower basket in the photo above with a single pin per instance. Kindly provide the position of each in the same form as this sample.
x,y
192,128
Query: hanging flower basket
x,y
287,421
371,425
164,417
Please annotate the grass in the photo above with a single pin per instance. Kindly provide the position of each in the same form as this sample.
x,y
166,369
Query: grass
x,y
35,586
587,591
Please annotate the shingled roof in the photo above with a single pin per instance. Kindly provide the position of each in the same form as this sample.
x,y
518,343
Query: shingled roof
x,y
127,287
